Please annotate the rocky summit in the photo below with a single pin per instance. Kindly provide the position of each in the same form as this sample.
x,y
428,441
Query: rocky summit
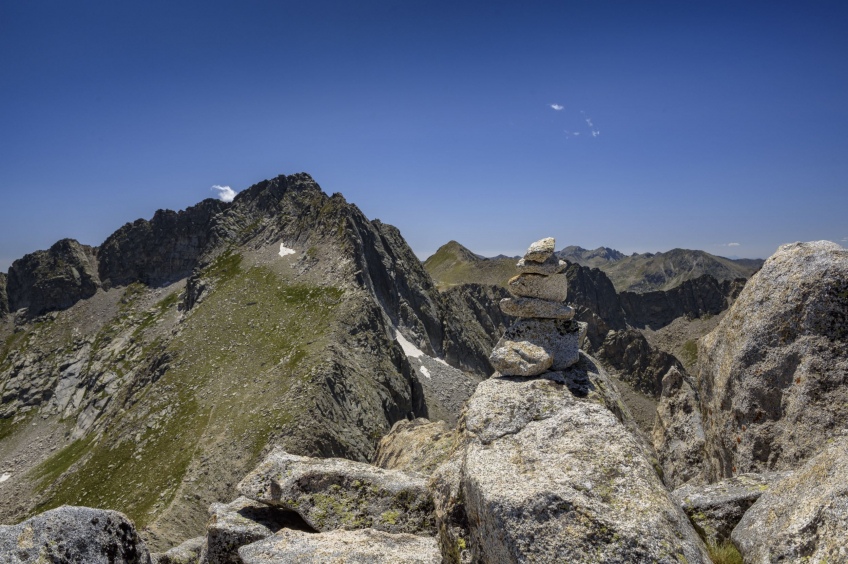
x,y
545,336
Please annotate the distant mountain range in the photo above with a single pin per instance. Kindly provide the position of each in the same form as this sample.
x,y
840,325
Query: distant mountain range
x,y
454,264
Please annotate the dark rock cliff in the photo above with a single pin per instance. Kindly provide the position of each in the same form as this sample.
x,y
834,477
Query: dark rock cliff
x,y
4,299
54,279
161,250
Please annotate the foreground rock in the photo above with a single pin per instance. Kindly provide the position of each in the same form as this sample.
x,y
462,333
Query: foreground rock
x,y
678,432
416,446
802,518
774,373
188,552
715,509
73,534
242,522
334,493
361,546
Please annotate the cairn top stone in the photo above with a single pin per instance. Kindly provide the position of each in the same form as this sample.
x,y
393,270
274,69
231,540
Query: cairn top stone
x,y
541,250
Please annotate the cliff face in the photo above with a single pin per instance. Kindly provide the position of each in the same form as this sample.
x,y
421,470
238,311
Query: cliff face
x,y
774,374
161,250
4,299
53,279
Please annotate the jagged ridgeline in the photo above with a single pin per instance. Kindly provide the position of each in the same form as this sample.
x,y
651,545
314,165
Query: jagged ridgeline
x,y
150,374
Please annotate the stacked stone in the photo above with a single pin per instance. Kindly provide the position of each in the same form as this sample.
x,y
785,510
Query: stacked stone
x,y
545,337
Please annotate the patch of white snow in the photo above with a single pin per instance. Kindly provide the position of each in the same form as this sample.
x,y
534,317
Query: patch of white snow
x,y
424,371
285,251
5,477
408,348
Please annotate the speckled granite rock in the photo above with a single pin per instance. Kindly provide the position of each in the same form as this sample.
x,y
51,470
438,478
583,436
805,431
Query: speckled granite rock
x,y
552,288
715,509
73,534
551,477
559,338
365,546
186,553
520,358
551,266
803,517
678,433
334,493
541,250
774,373
242,522
534,307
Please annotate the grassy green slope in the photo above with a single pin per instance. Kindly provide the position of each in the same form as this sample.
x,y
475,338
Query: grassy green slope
x,y
452,265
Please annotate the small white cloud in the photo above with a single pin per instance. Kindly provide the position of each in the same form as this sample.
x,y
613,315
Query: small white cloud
x,y
844,239
557,107
225,193
595,133
589,122
576,133
732,244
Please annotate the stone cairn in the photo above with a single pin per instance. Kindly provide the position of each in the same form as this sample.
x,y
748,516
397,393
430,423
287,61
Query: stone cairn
x,y
545,337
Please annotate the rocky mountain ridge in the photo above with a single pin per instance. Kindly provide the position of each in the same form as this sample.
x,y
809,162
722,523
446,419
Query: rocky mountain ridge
x,y
208,344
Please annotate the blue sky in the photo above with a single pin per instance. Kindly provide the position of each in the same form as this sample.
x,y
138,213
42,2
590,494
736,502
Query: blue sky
x,y
716,123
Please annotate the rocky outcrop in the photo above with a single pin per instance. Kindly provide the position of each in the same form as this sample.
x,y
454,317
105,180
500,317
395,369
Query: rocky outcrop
x,y
164,249
74,534
803,517
4,298
548,476
360,546
636,361
341,494
416,446
693,298
241,522
715,509
54,279
774,374
187,552
678,433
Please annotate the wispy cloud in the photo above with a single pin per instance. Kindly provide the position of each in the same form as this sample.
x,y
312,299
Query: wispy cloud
x,y
589,122
557,107
225,193
729,244
844,239
595,133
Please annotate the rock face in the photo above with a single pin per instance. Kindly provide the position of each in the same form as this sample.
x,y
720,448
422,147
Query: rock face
x,y
187,552
639,363
549,477
54,279
678,433
4,299
341,494
360,546
535,343
774,374
802,518
416,446
163,249
73,534
715,509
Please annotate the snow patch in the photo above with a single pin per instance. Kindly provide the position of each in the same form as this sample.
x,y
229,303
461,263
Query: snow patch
x,y
408,348
285,251
424,371
5,477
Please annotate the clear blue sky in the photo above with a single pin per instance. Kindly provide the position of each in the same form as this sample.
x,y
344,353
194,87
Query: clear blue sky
x,y
717,122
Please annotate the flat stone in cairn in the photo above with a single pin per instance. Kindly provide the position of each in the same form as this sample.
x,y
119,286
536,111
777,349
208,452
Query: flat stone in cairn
x,y
533,307
559,338
551,266
553,288
540,251
520,358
